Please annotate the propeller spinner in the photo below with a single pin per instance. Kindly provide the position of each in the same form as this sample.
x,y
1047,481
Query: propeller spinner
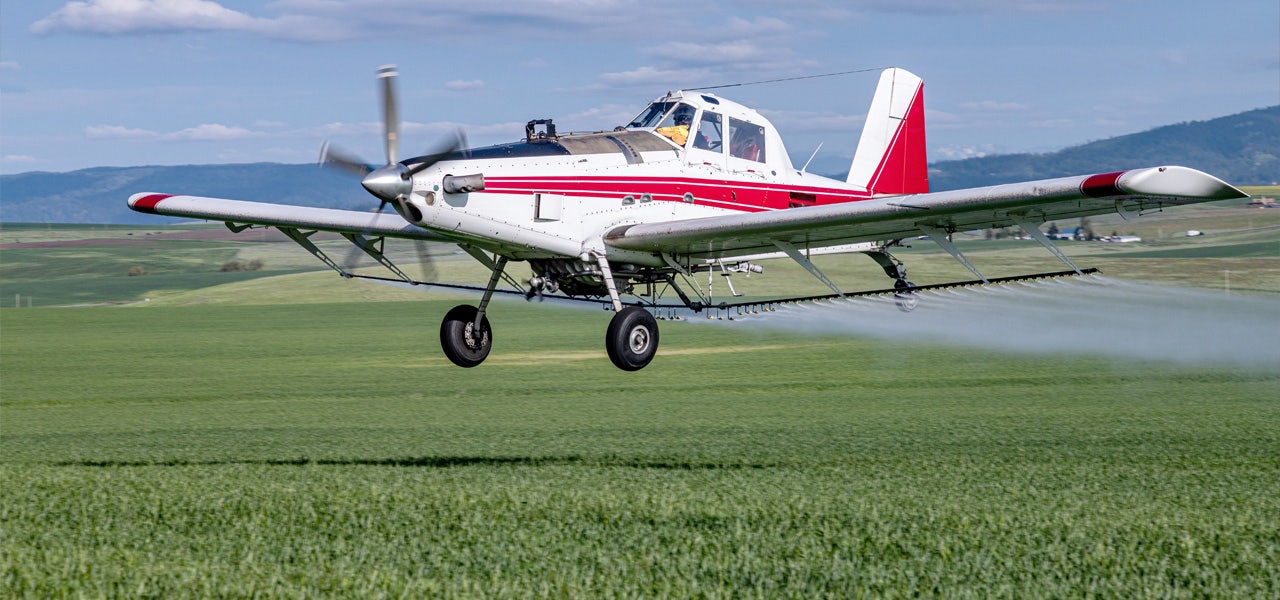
x,y
394,181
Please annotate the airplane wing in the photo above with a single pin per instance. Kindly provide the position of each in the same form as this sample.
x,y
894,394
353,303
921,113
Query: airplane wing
x,y
239,212
896,217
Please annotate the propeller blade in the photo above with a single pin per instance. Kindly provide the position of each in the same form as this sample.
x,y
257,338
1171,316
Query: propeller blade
x,y
357,249
332,157
440,151
424,258
390,119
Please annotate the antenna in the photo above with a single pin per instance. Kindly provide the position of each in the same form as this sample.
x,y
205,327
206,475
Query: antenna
x,y
729,85
815,153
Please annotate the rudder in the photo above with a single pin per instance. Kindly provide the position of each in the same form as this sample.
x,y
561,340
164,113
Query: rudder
x,y
891,158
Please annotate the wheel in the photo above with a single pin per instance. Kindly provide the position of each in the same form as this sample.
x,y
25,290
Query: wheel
x,y
632,339
459,339
905,296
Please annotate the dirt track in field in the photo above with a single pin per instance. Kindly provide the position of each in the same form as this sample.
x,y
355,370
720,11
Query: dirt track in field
x,y
204,235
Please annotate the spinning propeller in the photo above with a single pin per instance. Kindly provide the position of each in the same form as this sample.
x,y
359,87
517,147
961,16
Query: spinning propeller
x,y
393,182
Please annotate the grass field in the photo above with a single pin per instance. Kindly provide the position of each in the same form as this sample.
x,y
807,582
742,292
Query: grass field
x,y
292,434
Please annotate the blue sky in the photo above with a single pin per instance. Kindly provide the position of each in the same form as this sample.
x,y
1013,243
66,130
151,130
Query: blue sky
x,y
139,82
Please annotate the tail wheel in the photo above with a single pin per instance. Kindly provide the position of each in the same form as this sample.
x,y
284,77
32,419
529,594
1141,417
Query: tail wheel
x,y
632,338
464,343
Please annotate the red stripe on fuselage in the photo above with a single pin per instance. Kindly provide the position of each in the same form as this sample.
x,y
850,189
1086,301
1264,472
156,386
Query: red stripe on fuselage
x,y
148,203
724,193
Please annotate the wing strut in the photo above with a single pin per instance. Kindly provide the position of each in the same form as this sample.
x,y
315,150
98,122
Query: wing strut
x,y
944,240
795,255
373,247
489,263
304,240
1033,230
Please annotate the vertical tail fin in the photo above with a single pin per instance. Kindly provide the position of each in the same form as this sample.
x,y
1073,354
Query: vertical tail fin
x,y
891,157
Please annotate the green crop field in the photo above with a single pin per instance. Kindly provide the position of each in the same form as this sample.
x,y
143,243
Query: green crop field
x,y
277,433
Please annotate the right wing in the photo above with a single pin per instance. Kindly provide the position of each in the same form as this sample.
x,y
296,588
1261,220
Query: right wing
x,y
239,212
889,218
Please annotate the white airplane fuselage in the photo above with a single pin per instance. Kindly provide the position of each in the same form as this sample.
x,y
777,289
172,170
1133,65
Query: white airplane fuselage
x,y
555,197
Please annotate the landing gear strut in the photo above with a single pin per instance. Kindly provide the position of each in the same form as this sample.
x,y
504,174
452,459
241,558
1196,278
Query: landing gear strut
x,y
632,338
904,294
465,335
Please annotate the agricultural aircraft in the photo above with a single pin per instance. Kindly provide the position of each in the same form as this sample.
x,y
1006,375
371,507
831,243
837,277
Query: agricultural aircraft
x,y
694,184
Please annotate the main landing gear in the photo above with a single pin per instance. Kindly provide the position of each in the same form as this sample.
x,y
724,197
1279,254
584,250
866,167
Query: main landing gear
x,y
465,339
631,340
465,335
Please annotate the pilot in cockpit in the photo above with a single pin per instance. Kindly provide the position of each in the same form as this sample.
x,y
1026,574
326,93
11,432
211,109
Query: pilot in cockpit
x,y
679,132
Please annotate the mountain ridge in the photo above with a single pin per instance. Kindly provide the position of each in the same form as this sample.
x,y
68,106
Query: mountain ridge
x,y
1242,149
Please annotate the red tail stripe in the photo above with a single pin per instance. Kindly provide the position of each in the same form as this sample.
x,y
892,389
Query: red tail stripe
x,y
904,167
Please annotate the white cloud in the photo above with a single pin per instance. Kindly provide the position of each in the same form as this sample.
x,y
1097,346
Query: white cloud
x,y
1175,58
735,53
338,129
950,7
203,133
117,132
837,125
459,85
602,117
739,28
962,152
993,106
9,65
211,133
133,16
1053,123
329,20
650,76
21,159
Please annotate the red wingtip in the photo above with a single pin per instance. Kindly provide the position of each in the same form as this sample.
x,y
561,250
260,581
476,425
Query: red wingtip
x,y
147,203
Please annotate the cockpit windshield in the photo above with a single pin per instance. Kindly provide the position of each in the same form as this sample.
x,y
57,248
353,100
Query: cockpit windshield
x,y
652,115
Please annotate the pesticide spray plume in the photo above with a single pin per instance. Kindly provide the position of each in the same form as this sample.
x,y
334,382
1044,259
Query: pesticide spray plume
x,y
1092,315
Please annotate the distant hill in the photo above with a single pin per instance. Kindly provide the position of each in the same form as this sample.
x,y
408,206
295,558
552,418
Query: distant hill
x,y
98,195
1243,149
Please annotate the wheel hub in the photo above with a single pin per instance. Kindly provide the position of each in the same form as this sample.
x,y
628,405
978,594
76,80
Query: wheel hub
x,y
638,339
469,336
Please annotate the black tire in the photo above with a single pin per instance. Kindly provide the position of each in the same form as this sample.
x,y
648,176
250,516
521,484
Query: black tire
x,y
632,338
458,339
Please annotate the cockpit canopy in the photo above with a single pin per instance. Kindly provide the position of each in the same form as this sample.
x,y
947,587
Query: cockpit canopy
x,y
707,125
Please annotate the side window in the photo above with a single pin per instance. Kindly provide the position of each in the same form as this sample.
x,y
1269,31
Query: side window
x,y
710,132
746,140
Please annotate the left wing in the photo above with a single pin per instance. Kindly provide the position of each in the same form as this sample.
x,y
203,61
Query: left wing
x,y
897,217
239,212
